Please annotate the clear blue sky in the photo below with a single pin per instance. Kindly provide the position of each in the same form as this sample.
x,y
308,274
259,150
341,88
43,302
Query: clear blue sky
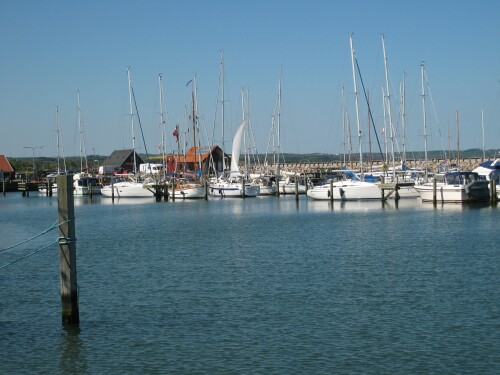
x,y
50,49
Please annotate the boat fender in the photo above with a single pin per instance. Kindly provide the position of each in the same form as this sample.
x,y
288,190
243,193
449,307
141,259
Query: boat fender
x,y
341,192
328,194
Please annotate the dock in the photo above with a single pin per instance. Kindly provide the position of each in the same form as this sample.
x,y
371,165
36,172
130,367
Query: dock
x,y
393,187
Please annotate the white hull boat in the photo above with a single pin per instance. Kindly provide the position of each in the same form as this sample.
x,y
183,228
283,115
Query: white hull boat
x,y
346,191
127,189
455,187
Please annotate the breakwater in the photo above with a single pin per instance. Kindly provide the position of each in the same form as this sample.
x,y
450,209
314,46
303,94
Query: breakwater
x,y
307,167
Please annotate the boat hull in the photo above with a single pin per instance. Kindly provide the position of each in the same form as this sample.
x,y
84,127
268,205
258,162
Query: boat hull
x,y
450,194
233,190
126,190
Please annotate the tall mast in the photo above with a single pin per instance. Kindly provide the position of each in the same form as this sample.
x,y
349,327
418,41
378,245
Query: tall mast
x,y
389,113
482,128
163,125
279,122
131,117
222,108
458,139
384,130
196,150
403,117
357,106
425,120
58,141
83,152
60,147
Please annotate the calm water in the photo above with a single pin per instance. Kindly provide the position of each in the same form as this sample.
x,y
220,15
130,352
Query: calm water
x,y
255,286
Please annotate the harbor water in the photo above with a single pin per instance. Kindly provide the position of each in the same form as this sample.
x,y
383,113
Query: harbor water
x,y
263,285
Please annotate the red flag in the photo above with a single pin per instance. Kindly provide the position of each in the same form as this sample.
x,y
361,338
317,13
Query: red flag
x,y
176,134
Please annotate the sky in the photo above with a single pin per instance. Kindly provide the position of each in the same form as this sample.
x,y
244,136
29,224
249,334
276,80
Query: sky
x,y
50,50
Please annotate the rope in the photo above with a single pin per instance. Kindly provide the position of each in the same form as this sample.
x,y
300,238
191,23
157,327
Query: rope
x,y
30,254
38,235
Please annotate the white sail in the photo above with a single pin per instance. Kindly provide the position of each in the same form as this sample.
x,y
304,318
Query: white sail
x,y
237,141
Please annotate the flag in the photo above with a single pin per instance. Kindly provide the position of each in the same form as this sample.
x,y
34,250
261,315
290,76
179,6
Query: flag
x,y
189,82
176,134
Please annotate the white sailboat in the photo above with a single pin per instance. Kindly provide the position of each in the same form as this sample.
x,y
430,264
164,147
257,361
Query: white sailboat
x,y
128,186
352,187
83,182
52,177
190,188
235,185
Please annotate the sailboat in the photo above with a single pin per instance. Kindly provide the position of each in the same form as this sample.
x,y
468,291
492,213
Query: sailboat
x,y
52,177
184,188
352,186
235,184
450,187
83,182
128,186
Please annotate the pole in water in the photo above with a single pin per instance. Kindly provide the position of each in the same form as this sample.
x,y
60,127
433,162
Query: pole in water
x,y
331,190
434,192
67,251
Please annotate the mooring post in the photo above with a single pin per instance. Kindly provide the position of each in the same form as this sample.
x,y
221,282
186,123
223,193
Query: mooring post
x,y
243,192
67,251
296,188
3,181
434,190
206,189
112,190
331,190
493,191
165,191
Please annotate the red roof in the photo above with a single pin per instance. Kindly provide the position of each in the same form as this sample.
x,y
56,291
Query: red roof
x,y
192,155
5,165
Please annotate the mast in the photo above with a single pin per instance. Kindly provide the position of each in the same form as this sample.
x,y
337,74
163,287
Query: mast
x,y
279,122
482,128
82,141
425,120
458,139
403,117
370,156
131,118
59,144
222,108
389,113
357,106
384,129
58,139
163,125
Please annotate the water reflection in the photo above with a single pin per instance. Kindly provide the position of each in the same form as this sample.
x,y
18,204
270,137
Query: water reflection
x,y
72,359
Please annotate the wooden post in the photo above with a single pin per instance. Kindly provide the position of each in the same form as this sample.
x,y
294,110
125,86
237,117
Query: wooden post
x,y
206,189
493,191
67,251
165,191
173,189
296,188
434,192
49,188
331,190
243,192
3,181
112,190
